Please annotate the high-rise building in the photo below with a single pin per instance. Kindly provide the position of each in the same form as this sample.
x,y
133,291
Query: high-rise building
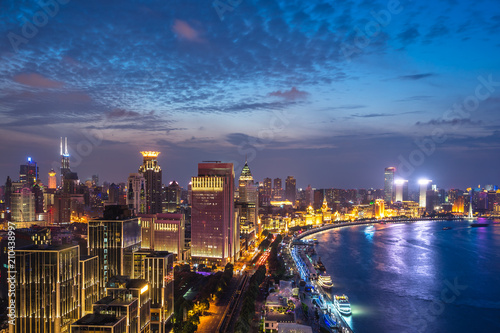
x,y
265,194
113,239
248,203
290,189
389,184
277,190
23,205
401,190
52,180
136,193
89,283
64,160
158,269
28,173
153,176
172,197
8,194
214,231
163,232
47,289
424,185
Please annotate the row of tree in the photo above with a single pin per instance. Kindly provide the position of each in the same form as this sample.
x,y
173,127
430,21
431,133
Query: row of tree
x,y
244,322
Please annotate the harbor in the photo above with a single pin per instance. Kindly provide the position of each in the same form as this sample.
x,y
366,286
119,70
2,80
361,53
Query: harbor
x,y
316,286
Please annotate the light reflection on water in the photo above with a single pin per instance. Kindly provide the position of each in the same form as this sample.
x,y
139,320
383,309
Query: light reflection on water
x,y
389,271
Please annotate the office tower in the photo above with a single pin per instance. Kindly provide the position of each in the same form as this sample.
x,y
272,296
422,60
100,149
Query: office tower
x,y
309,199
37,190
47,289
136,193
266,193
389,184
95,322
113,239
152,174
424,185
156,267
290,189
163,232
458,205
52,180
23,205
126,293
64,160
114,194
379,207
401,190
214,233
89,283
95,180
172,197
277,190
70,183
28,173
248,203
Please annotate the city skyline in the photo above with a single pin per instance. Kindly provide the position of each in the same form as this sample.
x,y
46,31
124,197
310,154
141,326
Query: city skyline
x,y
300,89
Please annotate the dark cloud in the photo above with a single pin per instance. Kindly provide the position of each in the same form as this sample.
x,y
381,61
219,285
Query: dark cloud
x,y
453,122
291,94
120,113
409,35
416,76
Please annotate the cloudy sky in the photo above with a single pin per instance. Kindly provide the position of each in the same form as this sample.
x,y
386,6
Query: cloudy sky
x,y
331,92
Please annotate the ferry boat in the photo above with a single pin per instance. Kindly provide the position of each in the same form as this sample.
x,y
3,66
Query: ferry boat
x,y
342,304
325,281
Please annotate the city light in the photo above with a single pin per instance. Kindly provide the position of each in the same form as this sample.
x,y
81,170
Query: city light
x,y
424,181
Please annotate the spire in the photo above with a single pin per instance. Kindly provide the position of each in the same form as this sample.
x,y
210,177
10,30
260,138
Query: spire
x,y
61,146
66,146
246,174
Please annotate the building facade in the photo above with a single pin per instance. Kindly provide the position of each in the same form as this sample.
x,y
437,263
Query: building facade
x,y
389,184
136,193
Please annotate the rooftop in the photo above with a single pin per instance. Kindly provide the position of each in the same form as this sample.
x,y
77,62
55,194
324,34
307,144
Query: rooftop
x,y
98,320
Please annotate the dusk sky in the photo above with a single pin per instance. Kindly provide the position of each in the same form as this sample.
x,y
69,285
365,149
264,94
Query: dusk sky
x,y
331,92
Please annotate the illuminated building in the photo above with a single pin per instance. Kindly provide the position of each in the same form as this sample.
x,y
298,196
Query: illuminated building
x,y
28,173
23,205
123,292
52,180
266,193
424,186
309,199
214,230
64,160
113,239
95,322
163,232
389,184
248,203
291,189
157,268
8,193
153,175
401,190
136,193
47,289
327,213
89,283
379,207
277,190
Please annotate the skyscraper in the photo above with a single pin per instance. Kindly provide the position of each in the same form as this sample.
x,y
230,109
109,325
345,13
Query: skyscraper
x,y
52,180
153,176
113,239
136,193
172,197
290,189
23,205
64,160
401,190
47,289
277,190
214,232
424,186
389,184
28,173
248,203
266,193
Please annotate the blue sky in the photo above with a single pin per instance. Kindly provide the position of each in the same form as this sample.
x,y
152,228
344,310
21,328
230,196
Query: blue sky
x,y
329,92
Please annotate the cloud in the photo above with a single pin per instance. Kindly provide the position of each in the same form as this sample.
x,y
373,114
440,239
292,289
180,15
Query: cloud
x,y
453,122
291,94
37,81
120,113
184,31
416,76
372,115
409,35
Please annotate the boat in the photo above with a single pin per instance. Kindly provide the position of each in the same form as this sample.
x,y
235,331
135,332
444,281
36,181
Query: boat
x,y
325,281
342,304
319,266
476,225
446,228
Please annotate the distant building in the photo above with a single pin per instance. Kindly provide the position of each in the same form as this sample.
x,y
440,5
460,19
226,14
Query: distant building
x,y
163,232
291,189
153,175
64,160
52,180
47,289
401,190
23,205
389,184
277,190
214,230
266,192
424,186
248,203
172,197
89,283
28,173
136,193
